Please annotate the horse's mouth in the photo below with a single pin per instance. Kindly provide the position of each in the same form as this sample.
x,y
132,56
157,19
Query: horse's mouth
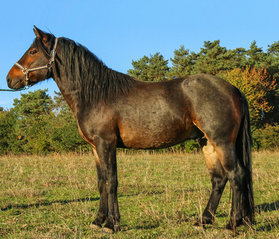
x,y
14,84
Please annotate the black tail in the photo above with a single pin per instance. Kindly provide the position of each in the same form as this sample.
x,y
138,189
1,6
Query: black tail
x,y
243,145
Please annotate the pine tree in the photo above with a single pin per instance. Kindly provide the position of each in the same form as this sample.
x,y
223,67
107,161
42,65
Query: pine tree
x,y
255,56
153,68
214,58
182,62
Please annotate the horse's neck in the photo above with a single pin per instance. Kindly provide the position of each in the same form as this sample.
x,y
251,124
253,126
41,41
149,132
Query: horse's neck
x,y
71,99
68,90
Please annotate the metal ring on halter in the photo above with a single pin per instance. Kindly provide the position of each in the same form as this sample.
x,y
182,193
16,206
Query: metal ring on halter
x,y
26,71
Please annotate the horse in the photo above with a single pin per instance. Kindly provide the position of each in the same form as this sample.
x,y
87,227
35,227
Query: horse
x,y
115,110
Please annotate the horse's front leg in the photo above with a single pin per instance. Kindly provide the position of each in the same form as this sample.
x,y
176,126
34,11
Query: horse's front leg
x,y
103,203
105,154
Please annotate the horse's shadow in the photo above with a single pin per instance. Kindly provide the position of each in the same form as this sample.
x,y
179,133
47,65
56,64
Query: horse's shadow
x,y
39,204
67,201
267,207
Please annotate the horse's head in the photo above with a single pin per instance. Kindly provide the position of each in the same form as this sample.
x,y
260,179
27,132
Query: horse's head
x,y
35,64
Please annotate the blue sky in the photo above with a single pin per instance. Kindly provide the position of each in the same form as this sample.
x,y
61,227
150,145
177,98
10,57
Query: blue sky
x,y
119,31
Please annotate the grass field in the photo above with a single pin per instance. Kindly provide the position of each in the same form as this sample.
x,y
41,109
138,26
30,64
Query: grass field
x,y
160,196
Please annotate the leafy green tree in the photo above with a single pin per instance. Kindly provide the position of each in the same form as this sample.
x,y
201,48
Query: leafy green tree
x,y
266,138
257,85
34,112
8,138
153,68
65,136
61,108
37,104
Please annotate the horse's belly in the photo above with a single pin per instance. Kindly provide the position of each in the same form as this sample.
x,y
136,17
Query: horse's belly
x,y
153,134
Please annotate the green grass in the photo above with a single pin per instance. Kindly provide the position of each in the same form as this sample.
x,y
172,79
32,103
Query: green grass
x,y
160,196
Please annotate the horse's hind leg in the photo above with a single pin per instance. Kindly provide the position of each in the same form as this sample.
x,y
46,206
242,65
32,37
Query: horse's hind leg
x,y
241,210
218,181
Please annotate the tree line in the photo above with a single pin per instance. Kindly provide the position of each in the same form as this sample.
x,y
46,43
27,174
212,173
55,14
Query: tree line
x,y
39,124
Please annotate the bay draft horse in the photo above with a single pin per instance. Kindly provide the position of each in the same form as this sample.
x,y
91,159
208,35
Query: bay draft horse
x,y
116,110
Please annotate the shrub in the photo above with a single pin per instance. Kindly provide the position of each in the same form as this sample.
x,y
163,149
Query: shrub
x,y
266,138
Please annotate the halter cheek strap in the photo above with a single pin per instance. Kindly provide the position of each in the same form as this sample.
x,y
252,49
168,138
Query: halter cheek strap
x,y
26,71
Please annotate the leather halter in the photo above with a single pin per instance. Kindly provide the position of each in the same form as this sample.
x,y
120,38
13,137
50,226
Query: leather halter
x,y
26,71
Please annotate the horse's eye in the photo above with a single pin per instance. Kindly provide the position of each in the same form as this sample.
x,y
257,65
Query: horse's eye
x,y
32,52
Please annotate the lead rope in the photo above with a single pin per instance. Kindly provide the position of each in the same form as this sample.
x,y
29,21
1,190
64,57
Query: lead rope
x,y
13,90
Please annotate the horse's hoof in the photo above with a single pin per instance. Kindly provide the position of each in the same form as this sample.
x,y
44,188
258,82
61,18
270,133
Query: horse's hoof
x,y
116,228
203,222
108,230
229,226
198,224
95,226
232,225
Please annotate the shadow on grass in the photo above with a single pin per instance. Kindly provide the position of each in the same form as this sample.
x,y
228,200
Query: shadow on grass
x,y
267,207
270,226
66,201
39,204
148,225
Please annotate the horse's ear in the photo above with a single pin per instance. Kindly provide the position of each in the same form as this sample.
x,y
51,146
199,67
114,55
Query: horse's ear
x,y
39,33
45,37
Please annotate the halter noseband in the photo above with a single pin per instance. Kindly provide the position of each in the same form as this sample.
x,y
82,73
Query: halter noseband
x,y
26,71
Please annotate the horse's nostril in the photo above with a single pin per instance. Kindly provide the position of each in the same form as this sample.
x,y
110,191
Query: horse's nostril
x,y
8,80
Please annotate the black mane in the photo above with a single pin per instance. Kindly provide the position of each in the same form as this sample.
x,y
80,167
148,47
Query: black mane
x,y
88,73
